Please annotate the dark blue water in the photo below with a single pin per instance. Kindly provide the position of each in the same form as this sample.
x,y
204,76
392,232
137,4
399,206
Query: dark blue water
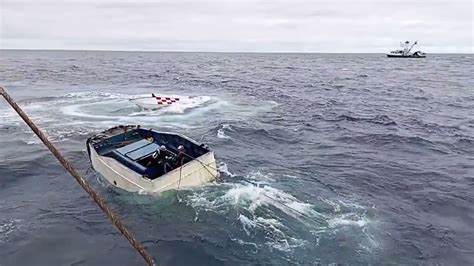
x,y
351,158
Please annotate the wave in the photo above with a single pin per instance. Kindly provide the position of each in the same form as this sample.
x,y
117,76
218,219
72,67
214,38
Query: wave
x,y
433,126
259,135
395,140
386,139
464,139
378,119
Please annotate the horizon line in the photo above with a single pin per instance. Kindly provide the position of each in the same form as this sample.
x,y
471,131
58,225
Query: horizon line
x,y
191,51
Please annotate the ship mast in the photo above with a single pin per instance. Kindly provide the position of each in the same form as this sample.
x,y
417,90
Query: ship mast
x,y
405,47
411,47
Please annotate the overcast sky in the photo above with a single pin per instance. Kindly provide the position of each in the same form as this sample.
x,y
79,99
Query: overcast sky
x,y
247,26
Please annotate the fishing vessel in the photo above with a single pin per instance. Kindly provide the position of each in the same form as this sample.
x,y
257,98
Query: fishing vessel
x,y
405,52
143,160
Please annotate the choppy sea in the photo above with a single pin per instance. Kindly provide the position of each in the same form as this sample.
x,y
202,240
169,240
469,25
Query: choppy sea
x,y
352,159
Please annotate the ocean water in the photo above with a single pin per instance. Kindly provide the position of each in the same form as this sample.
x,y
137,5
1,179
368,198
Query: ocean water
x,y
352,159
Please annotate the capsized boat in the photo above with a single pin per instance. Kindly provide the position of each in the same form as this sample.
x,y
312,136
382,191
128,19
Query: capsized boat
x,y
155,102
405,52
126,156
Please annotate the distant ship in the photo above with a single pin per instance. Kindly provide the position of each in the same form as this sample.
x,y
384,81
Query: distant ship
x,y
405,52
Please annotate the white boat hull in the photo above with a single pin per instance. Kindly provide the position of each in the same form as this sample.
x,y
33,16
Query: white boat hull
x,y
148,103
194,173
406,56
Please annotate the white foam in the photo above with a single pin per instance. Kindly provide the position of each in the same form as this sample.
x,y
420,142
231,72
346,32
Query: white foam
x,y
9,117
301,207
256,204
221,133
249,198
288,244
345,214
260,177
247,223
142,192
291,176
275,237
241,242
336,207
96,95
54,134
347,220
270,223
252,196
222,167
7,227
34,140
117,108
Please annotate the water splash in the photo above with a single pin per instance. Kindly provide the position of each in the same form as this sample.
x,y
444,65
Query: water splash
x,y
7,227
222,167
263,210
221,132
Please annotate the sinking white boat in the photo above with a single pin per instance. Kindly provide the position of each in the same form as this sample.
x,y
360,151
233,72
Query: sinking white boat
x,y
155,102
123,155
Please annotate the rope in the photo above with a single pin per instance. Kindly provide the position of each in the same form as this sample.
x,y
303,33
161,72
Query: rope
x,y
206,167
65,163
179,182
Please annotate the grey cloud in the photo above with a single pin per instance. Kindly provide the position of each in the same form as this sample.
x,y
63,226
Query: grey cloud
x,y
287,26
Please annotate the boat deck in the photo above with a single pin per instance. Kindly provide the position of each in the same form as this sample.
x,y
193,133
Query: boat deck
x,y
133,148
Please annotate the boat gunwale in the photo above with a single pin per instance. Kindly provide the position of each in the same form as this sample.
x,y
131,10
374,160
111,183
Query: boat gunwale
x,y
120,130
156,180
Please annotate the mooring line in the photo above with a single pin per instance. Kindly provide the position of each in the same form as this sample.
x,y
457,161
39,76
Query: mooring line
x,y
98,199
